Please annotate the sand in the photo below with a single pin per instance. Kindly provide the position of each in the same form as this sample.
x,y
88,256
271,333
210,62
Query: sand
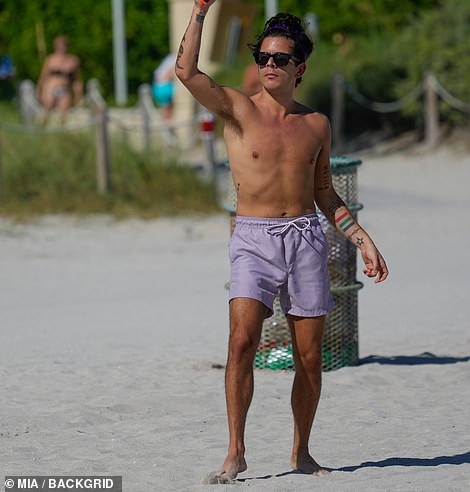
x,y
110,332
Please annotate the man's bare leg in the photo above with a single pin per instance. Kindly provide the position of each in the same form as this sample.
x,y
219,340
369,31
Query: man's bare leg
x,y
307,334
246,322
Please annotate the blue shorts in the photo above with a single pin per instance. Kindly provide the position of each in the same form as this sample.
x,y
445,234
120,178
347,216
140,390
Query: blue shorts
x,y
163,93
281,256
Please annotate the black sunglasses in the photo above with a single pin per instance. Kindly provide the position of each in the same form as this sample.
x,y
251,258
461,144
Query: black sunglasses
x,y
280,59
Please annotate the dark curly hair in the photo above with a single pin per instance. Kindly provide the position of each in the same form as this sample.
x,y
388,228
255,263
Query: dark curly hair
x,y
285,25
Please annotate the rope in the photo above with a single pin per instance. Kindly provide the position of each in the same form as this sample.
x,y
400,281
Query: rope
x,y
393,106
447,96
46,130
380,107
160,127
134,127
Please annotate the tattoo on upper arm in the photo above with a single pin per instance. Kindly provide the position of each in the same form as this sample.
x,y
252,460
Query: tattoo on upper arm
x,y
325,178
181,50
180,54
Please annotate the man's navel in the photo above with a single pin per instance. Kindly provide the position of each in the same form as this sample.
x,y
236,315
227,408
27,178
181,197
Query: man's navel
x,y
254,154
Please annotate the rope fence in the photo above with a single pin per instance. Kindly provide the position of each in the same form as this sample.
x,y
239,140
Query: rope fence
x,y
381,107
430,88
445,95
16,128
141,125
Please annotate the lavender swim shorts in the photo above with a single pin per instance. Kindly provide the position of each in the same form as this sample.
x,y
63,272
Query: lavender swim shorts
x,y
285,256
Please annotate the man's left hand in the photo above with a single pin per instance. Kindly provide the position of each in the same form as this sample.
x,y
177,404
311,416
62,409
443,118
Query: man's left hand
x,y
374,262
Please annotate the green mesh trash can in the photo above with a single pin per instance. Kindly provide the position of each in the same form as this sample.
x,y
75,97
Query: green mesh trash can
x,y
340,339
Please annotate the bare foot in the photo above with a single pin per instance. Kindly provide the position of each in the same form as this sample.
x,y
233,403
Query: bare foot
x,y
306,464
229,471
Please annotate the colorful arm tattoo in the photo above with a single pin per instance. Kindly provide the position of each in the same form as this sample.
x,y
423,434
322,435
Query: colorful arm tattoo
x,y
344,222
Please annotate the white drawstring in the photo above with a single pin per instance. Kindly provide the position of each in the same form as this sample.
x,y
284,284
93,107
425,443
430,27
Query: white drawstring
x,y
301,224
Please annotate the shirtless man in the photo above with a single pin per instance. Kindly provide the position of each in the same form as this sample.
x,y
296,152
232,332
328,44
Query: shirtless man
x,y
279,153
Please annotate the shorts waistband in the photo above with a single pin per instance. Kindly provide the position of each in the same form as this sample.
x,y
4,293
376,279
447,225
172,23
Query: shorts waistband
x,y
274,221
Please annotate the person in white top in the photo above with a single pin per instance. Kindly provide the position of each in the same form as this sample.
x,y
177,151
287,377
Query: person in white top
x,y
163,87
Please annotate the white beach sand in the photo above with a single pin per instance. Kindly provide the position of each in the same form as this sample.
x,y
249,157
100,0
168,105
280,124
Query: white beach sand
x,y
108,333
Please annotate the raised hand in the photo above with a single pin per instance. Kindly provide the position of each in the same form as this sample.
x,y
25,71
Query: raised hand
x,y
205,3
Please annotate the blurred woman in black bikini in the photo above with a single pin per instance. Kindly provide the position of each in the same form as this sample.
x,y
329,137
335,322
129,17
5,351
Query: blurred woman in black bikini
x,y
59,84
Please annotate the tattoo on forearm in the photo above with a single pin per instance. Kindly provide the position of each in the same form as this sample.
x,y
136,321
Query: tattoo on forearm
x,y
353,233
359,240
334,205
200,18
344,222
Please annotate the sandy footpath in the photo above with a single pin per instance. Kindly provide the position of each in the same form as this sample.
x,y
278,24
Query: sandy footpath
x,y
109,331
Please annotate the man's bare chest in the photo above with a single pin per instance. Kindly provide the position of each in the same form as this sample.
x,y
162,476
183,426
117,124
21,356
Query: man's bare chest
x,y
271,141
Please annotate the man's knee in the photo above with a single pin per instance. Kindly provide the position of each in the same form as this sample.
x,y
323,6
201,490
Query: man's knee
x,y
311,358
242,345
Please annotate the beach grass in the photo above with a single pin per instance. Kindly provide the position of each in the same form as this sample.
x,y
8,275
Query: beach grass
x,y
56,173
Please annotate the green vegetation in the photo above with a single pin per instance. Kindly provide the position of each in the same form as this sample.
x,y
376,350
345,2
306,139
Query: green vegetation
x,y
438,42
355,17
53,173
383,49
27,29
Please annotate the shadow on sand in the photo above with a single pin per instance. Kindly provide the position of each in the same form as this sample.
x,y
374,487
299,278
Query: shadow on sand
x,y
412,360
458,459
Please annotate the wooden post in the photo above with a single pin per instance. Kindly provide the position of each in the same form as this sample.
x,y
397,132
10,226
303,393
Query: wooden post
x,y
28,104
431,111
145,103
100,111
337,114
102,151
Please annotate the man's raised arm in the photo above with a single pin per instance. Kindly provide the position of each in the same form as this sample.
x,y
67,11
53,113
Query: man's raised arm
x,y
217,99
